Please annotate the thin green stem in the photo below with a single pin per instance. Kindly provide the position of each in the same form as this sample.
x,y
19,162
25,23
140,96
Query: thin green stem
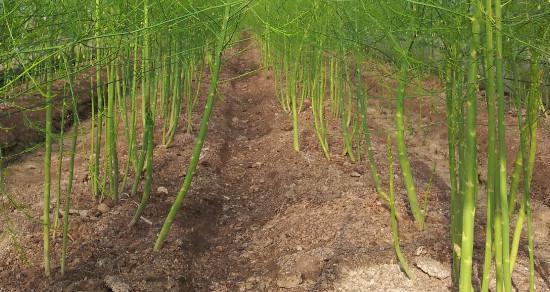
x,y
47,171
393,212
68,191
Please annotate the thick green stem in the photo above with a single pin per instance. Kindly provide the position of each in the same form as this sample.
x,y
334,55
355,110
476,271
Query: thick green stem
x,y
532,125
470,155
317,107
366,132
146,75
132,152
491,145
295,127
176,103
99,95
122,93
503,193
402,148
111,116
452,124
202,133
146,63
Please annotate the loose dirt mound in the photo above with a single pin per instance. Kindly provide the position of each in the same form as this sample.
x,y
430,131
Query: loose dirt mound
x,y
259,217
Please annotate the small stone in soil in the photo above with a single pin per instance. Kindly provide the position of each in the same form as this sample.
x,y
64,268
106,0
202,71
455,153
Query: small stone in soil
x,y
433,268
355,174
31,166
256,165
105,264
289,280
116,284
162,190
290,193
308,266
103,208
287,127
83,213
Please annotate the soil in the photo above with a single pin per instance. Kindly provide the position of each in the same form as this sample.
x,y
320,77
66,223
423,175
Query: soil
x,y
259,216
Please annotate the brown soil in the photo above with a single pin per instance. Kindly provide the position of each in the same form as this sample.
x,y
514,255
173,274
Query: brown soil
x,y
259,216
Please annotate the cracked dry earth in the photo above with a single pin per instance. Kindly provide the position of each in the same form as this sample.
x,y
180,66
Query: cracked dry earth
x,y
259,216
